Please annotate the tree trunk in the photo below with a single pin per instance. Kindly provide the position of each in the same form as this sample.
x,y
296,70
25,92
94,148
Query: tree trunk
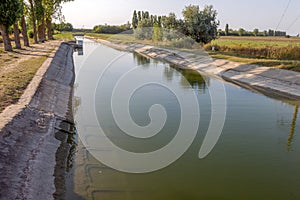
x,y
41,30
34,32
49,31
17,36
24,31
6,39
32,10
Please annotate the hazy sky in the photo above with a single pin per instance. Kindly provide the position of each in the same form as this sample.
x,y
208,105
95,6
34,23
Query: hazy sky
x,y
248,14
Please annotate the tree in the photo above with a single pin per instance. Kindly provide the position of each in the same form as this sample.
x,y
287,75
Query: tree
x,y
201,25
33,19
241,32
227,30
255,32
40,17
157,32
169,22
23,25
134,20
9,12
17,36
139,16
146,15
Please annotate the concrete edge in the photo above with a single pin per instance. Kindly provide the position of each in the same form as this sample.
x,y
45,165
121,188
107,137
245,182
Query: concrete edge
x,y
274,88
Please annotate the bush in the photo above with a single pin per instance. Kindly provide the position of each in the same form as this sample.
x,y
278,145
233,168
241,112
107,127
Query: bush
x,y
30,34
143,33
185,42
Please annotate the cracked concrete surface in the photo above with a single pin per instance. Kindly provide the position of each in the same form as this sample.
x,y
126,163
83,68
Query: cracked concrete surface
x,y
29,141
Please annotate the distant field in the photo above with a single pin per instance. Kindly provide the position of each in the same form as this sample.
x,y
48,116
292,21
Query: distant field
x,y
256,41
279,52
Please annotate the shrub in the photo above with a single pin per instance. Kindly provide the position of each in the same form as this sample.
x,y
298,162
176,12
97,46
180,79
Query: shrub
x,y
185,42
30,34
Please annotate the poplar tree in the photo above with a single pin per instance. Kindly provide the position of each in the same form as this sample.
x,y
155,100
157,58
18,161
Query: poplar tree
x,y
9,12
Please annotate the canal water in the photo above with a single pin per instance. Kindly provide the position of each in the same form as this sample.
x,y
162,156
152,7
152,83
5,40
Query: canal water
x,y
256,155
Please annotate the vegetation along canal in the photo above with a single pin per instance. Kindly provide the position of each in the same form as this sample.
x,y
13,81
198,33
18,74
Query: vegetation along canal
x,y
257,154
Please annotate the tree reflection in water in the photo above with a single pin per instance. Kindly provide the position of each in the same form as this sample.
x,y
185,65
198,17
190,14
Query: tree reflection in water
x,y
293,125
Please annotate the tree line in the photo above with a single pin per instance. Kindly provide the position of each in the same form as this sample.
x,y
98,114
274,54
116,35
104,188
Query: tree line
x,y
200,25
112,29
37,14
242,32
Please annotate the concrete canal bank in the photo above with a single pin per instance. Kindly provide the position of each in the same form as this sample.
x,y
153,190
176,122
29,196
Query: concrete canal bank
x,y
273,82
36,134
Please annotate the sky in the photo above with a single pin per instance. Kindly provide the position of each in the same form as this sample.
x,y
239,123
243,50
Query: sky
x,y
247,14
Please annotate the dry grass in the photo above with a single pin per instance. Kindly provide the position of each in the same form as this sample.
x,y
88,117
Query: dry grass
x,y
14,82
17,69
282,64
279,52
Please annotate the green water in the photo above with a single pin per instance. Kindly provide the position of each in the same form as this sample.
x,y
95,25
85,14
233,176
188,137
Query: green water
x,y
256,157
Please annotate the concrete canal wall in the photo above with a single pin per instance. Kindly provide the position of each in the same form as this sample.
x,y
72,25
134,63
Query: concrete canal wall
x,y
273,82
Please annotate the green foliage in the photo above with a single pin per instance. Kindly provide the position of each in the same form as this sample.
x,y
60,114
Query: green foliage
x,y
282,53
201,25
144,29
63,26
39,9
30,34
134,20
108,29
66,36
171,35
10,10
255,32
185,42
157,33
169,22
241,32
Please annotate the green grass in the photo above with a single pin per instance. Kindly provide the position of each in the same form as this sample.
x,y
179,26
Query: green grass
x,y
118,38
256,42
279,52
64,36
13,83
282,64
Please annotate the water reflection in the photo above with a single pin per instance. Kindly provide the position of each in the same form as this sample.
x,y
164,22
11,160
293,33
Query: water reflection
x,y
250,157
79,50
293,125
141,60
194,78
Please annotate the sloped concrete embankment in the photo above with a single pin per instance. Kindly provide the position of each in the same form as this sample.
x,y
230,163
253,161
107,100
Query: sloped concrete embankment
x,y
34,145
277,83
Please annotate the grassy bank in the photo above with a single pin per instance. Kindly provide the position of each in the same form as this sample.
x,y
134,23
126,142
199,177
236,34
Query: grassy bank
x,y
14,82
17,69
